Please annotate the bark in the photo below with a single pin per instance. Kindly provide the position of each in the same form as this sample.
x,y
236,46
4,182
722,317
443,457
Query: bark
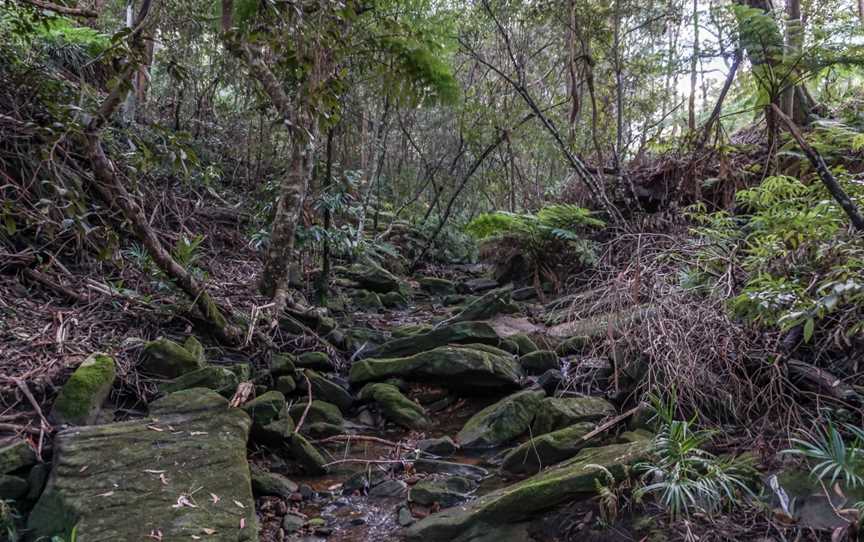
x,y
324,280
825,175
113,193
691,112
718,107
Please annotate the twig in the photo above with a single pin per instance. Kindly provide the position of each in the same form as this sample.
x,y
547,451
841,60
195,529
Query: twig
x,y
15,428
349,438
610,423
308,404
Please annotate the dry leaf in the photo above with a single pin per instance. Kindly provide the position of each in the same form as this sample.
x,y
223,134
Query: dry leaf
x,y
85,467
214,497
183,501
208,531
242,523
163,479
154,428
106,494
240,504
196,433
151,471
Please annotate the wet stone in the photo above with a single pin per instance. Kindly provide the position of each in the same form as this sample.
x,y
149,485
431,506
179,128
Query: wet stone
x,y
389,489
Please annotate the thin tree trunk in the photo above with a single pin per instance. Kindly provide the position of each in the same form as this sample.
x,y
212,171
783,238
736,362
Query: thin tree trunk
x,y
324,279
821,168
718,107
691,113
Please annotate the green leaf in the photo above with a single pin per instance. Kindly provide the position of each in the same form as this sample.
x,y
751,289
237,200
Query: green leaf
x,y
808,330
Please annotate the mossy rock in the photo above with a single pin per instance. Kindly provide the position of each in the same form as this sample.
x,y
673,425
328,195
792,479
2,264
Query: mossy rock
x,y
15,454
411,330
124,481
286,385
573,479
373,277
394,300
319,430
81,398
219,379
540,361
194,347
283,365
460,333
394,406
276,432
12,487
327,390
366,300
189,400
306,455
487,306
243,371
573,346
501,422
457,367
265,408
559,412
270,483
541,452
437,286
524,344
445,493
318,361
319,411
163,358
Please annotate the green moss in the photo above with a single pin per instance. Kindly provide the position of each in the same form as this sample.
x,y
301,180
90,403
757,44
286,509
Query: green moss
x,y
395,406
319,412
83,394
501,422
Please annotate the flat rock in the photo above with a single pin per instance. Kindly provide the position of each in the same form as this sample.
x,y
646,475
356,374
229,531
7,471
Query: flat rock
x,y
437,286
559,412
394,406
489,305
473,286
325,389
219,379
163,358
458,333
125,481
456,367
569,480
501,422
445,493
442,446
540,452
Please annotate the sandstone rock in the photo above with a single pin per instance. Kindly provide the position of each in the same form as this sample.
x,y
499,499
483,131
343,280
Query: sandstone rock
x,y
219,379
501,422
82,395
559,412
545,450
394,406
164,358
538,362
459,333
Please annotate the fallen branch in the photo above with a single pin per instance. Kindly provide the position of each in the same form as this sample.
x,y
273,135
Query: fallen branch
x,y
308,404
610,423
361,438
63,10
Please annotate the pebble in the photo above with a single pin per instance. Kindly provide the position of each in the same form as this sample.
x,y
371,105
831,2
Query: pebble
x,y
404,517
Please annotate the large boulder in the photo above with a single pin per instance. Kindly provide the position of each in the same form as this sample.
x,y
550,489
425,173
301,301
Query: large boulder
x,y
459,333
487,306
179,476
163,358
501,422
373,277
81,397
457,367
219,379
540,452
327,390
437,286
570,480
559,412
539,361
394,406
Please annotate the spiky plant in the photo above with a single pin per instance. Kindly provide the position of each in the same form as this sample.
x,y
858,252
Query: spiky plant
x,y
832,456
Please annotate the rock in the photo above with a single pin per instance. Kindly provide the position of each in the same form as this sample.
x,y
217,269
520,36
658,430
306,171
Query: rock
x,y
219,379
559,412
265,408
285,385
485,307
306,455
36,479
445,493
572,346
450,300
524,344
394,406
164,358
320,430
16,454
550,381
538,362
317,361
459,333
243,371
436,286
411,330
545,450
501,422
473,286
366,300
194,347
329,391
458,367
570,480
277,431
319,412
404,517
524,294
271,483
137,478
191,400
12,487
394,300
292,523
442,446
283,365
373,277
81,397
389,489
437,466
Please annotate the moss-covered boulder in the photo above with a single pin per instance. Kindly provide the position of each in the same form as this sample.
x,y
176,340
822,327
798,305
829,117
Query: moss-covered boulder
x,y
366,300
394,300
327,390
487,306
189,400
219,379
573,345
306,455
82,395
501,422
567,481
319,412
15,454
317,361
460,333
539,361
163,358
265,408
559,412
265,482
126,481
194,347
456,367
373,277
541,452
437,286
394,406
448,492
283,365
285,385
524,343
411,330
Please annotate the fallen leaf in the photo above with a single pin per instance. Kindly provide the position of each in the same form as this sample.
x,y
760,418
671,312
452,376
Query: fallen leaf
x,y
106,494
208,531
154,428
242,523
240,504
183,501
214,497
151,471
85,467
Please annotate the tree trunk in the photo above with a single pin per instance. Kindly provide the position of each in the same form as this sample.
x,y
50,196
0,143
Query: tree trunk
x,y
324,279
691,112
